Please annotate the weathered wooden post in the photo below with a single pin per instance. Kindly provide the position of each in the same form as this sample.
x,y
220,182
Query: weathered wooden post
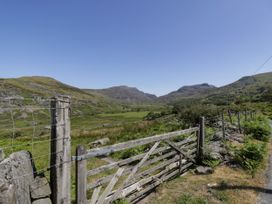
x,y
60,171
239,122
223,125
200,139
245,115
81,176
230,118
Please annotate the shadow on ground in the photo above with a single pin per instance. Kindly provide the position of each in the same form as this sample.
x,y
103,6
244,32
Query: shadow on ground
x,y
242,187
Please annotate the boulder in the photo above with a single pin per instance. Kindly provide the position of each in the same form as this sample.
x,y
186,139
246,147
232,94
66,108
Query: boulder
x,y
42,201
17,171
237,137
218,136
232,128
40,188
202,170
216,156
100,142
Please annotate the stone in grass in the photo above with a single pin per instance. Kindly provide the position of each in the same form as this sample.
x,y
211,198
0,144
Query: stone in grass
x,y
212,185
100,142
40,188
202,170
42,201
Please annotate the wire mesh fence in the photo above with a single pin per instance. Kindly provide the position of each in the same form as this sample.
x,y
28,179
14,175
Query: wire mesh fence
x,y
25,124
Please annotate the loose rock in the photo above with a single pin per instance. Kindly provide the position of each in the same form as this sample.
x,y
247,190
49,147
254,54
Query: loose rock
x,y
100,142
204,170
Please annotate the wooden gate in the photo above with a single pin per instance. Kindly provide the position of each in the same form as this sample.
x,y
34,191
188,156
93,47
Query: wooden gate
x,y
159,158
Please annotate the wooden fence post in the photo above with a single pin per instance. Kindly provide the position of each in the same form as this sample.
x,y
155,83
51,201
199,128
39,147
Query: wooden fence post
x,y
81,176
230,118
200,139
223,125
60,162
239,122
251,115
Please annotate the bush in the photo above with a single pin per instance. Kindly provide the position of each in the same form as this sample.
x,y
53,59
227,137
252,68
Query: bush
x,y
189,199
190,114
132,152
153,115
121,201
251,156
259,130
211,162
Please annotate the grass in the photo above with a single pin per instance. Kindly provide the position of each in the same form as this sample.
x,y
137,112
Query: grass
x,y
231,186
120,127
85,129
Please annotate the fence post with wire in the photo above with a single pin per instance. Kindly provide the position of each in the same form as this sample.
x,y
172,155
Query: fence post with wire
x,y
60,172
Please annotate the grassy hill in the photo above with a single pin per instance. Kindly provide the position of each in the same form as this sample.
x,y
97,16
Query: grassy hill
x,y
247,89
125,94
46,87
187,92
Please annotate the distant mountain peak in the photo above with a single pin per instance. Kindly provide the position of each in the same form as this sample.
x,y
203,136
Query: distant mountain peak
x,y
188,91
126,94
197,86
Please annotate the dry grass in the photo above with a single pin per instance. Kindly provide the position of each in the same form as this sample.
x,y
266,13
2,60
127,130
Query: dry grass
x,y
231,185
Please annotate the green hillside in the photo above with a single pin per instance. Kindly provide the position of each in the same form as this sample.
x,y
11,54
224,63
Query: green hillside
x,y
45,87
188,92
125,94
254,88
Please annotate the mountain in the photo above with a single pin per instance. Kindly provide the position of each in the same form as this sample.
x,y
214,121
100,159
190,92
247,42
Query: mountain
x,y
246,89
125,94
250,88
46,87
186,92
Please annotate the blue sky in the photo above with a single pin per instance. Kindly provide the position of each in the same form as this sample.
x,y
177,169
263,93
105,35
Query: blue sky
x,y
155,45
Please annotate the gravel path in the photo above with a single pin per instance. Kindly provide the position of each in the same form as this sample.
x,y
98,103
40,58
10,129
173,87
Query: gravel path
x,y
266,197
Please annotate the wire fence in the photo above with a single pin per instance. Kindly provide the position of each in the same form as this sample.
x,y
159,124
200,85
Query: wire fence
x,y
227,124
25,125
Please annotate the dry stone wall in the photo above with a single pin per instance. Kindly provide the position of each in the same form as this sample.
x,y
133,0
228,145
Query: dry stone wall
x,y
19,184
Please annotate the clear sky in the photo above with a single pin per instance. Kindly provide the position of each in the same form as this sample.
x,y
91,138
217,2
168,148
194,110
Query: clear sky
x,y
155,45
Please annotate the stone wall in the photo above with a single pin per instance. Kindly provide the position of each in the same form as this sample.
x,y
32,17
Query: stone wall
x,y
18,184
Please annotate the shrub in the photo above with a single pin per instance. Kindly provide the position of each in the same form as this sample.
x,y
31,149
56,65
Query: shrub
x,y
209,160
190,114
131,152
259,130
153,115
251,155
189,199
121,201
